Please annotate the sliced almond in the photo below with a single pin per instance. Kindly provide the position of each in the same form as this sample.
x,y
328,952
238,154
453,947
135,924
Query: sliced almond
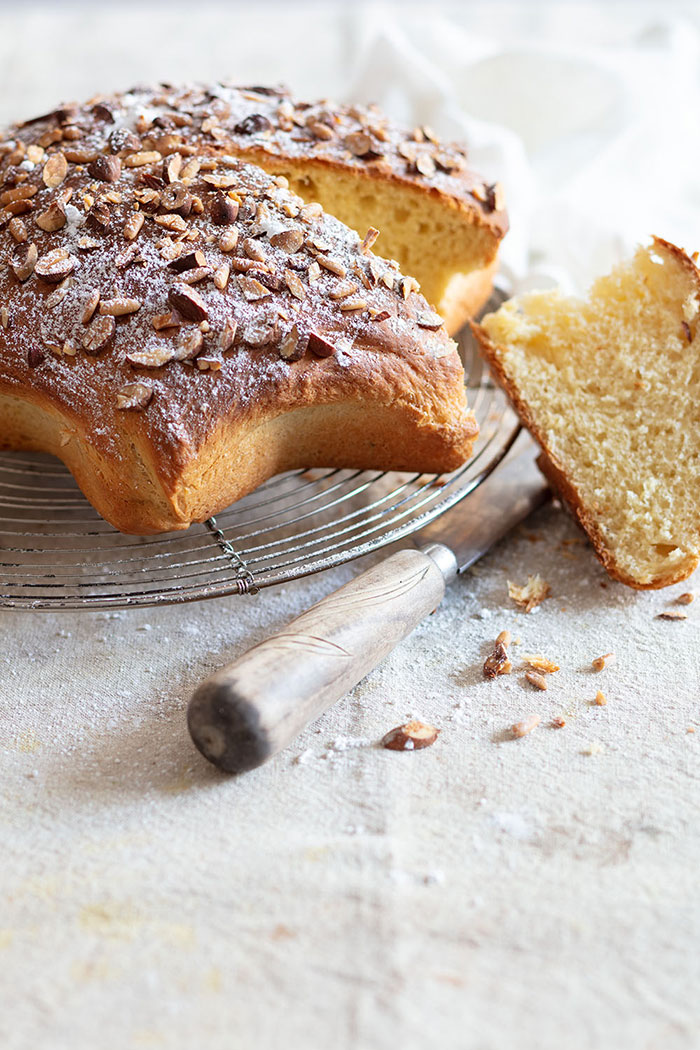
x,y
55,266
412,736
99,335
134,396
119,307
521,729
55,170
23,268
133,224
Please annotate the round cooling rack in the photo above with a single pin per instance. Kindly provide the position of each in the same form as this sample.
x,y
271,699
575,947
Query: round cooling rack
x,y
57,553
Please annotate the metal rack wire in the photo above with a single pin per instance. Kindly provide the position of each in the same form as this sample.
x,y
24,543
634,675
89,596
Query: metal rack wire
x,y
57,553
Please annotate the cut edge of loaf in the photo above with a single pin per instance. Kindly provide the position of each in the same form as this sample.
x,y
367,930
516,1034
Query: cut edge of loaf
x,y
638,287
446,244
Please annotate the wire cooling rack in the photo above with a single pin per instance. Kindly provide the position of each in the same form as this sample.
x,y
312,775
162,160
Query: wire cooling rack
x,y
57,553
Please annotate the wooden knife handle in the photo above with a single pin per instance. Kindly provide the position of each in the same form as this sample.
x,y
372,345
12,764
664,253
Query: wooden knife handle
x,y
249,711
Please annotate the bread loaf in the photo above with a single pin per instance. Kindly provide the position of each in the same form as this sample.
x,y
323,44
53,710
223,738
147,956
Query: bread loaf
x,y
178,326
610,388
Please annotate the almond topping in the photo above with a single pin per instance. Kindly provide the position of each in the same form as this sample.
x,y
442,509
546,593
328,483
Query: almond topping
x,y
169,320
195,276
228,240
119,307
342,290
90,307
106,168
133,225
192,261
290,241
331,264
355,303
99,334
188,302
24,268
55,170
294,284
536,679
252,289
293,345
134,396
55,266
424,319
602,661
59,294
138,160
152,357
221,276
18,231
53,219
320,346
369,239
672,614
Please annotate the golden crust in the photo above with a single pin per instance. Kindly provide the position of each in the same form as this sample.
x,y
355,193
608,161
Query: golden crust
x,y
215,406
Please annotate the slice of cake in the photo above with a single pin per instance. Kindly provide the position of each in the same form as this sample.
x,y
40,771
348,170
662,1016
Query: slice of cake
x,y
610,388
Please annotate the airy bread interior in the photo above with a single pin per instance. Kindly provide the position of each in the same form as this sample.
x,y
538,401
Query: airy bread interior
x,y
610,387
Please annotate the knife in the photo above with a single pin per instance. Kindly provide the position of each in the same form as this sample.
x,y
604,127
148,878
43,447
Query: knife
x,y
244,714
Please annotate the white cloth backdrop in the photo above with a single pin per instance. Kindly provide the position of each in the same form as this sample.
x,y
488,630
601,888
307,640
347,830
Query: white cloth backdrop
x,y
486,893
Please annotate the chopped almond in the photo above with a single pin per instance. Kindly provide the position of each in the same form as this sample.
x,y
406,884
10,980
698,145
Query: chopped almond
x,y
528,597
541,663
526,726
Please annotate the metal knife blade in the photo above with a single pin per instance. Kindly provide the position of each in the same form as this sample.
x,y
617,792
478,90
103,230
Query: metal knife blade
x,y
508,496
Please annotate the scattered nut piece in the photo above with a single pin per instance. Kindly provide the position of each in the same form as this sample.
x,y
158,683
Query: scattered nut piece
x,y
682,599
494,663
600,699
504,639
412,736
536,679
602,661
529,597
541,663
672,614
558,722
526,726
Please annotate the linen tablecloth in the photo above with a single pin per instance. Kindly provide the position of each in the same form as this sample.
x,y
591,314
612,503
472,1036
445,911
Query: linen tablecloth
x,y
485,893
